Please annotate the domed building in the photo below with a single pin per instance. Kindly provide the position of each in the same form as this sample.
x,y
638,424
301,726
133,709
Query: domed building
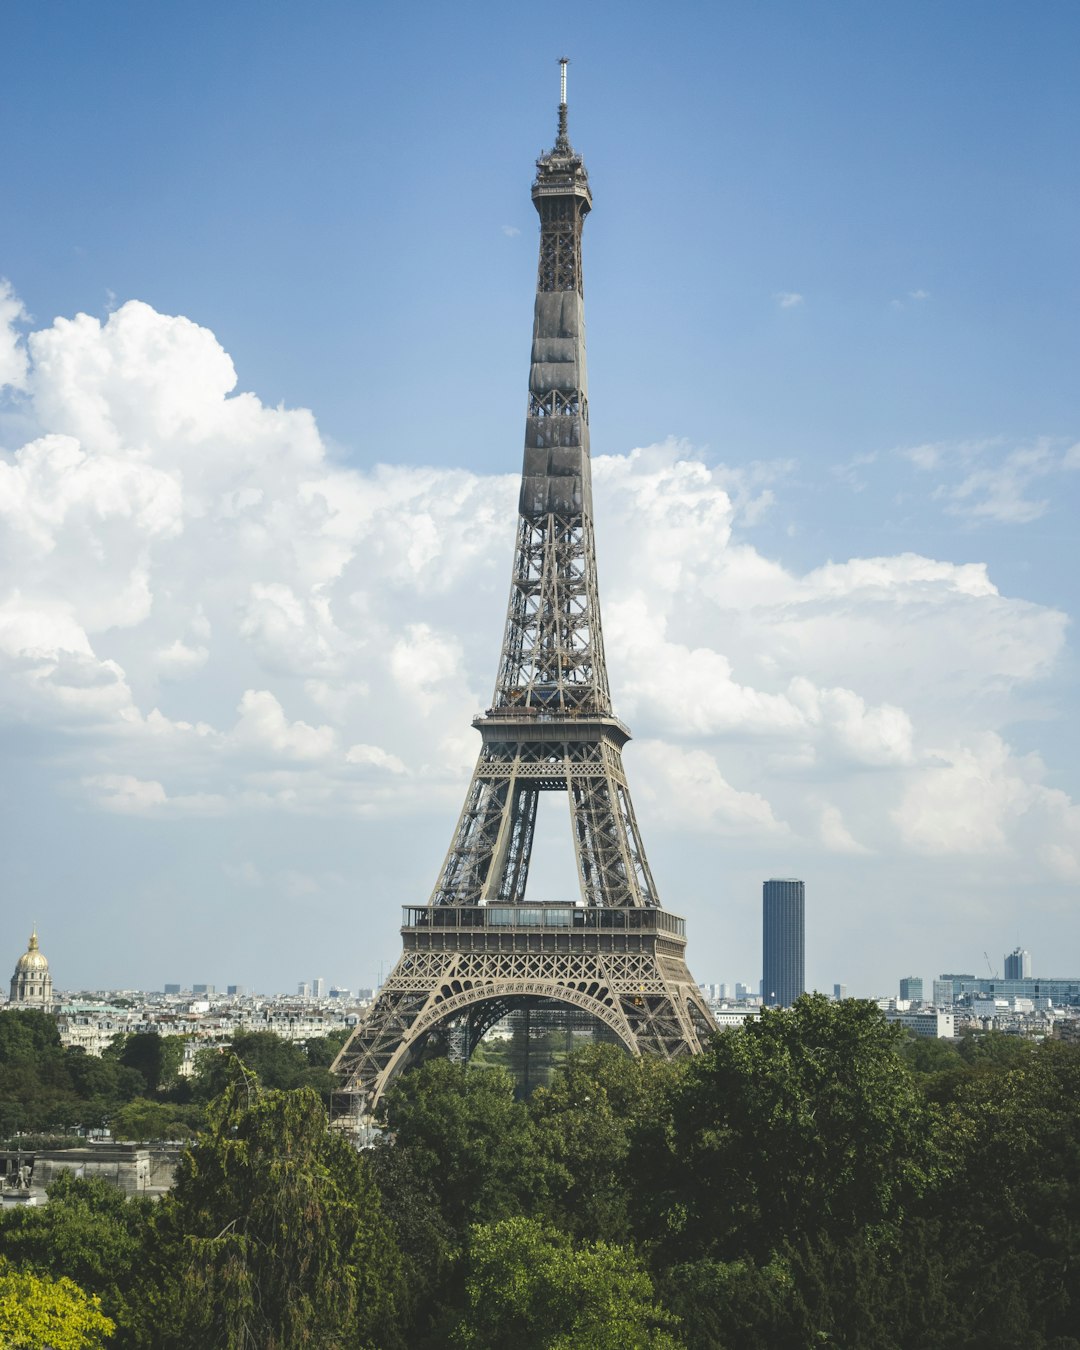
x,y
31,985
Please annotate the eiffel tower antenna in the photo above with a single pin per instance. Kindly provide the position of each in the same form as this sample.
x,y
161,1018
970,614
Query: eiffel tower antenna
x,y
478,949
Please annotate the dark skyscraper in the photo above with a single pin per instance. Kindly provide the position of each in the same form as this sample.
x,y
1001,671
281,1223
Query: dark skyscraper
x,y
782,942
1018,965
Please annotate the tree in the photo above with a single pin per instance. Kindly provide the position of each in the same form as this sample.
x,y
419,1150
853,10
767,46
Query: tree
x,y
843,1292
321,1051
278,1063
804,1122
88,1232
725,1305
467,1137
936,1064
27,1035
101,1083
428,1245
1010,1189
45,1087
273,1237
995,1048
599,1105
156,1058
37,1313
529,1287
144,1120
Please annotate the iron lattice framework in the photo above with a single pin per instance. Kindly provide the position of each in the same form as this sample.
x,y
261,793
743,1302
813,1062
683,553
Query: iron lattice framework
x,y
478,948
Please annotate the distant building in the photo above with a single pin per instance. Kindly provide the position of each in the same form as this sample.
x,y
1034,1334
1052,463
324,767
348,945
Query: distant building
x,y
303,989
203,990
735,1017
172,989
926,1024
911,988
839,991
236,990
742,992
1061,991
31,985
318,988
943,993
1018,965
783,942
957,982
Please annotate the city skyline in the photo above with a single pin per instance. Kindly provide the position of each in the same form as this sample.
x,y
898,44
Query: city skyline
x,y
736,990
253,526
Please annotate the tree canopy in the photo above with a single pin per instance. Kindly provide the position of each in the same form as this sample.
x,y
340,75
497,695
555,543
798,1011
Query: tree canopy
x,y
44,1086
813,1178
805,1121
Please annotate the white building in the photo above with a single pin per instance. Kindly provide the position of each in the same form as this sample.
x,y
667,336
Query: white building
x,y
930,1024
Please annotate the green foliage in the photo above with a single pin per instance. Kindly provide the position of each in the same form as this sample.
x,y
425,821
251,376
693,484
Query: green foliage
x,y
428,1246
935,1064
843,1292
156,1058
928,1056
100,1082
995,1048
1011,1189
804,1122
278,1063
44,1087
531,1054
143,1120
31,1143
274,1235
528,1286
87,1232
725,1305
37,1313
467,1138
27,1035
321,1051
814,1178
602,1103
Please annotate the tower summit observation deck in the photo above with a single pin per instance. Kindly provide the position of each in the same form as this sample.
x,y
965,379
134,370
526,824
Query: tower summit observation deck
x,y
478,949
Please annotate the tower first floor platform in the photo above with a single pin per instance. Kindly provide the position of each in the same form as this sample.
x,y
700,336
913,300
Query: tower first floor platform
x,y
471,965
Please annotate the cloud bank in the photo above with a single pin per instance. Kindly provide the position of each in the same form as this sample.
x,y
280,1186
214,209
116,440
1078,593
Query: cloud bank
x,y
204,615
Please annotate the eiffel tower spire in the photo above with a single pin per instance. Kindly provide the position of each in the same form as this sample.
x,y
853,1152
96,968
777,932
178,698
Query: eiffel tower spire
x,y
553,651
479,948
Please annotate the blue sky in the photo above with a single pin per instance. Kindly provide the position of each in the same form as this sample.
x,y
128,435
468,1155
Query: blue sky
x,y
832,263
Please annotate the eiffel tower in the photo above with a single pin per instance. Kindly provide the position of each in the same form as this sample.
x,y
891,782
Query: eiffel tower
x,y
478,950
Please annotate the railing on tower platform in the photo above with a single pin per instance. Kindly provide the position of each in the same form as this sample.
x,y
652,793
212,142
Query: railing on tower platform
x,y
540,915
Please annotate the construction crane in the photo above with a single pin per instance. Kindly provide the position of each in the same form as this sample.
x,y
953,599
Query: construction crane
x,y
989,967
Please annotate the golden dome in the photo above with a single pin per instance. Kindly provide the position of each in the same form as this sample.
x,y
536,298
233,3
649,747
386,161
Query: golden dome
x,y
33,958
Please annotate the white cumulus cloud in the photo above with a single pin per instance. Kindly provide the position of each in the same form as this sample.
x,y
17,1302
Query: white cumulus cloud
x,y
203,614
